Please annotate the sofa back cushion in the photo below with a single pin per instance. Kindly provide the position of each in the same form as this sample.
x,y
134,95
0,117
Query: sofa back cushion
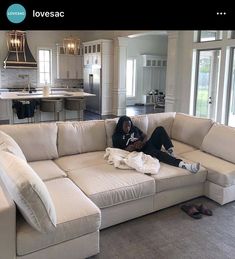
x,y
8,144
37,141
140,121
28,191
81,137
164,119
220,142
189,129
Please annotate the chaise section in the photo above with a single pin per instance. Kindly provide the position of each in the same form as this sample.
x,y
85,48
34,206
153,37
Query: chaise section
x,y
220,172
107,186
76,216
47,170
220,142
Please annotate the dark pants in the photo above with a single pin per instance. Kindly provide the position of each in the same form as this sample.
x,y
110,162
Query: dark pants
x,y
153,147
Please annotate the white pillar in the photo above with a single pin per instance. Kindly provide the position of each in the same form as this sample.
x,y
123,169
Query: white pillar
x,y
171,74
119,87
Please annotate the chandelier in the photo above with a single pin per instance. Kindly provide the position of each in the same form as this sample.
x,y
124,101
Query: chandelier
x,y
71,45
16,41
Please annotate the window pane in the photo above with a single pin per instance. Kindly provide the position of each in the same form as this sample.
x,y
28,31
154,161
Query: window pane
x,y
210,35
47,78
207,83
41,67
231,117
42,80
41,55
47,67
44,66
47,55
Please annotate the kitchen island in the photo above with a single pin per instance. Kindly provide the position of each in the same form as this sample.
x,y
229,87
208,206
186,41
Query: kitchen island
x,y
27,98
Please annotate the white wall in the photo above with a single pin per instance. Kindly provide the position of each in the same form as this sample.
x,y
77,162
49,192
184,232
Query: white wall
x,y
35,40
151,44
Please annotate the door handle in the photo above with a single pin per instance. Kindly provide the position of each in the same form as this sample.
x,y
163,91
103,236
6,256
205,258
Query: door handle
x,y
210,100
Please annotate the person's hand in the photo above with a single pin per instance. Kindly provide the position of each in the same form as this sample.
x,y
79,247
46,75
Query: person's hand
x,y
130,148
138,144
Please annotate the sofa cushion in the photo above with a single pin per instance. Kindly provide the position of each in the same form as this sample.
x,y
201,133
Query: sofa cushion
x,y
81,137
37,141
107,186
180,148
47,170
220,142
28,191
189,129
171,177
68,163
160,119
220,171
7,143
76,216
140,121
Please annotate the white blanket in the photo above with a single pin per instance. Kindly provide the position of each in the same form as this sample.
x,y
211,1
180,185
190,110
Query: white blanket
x,y
132,160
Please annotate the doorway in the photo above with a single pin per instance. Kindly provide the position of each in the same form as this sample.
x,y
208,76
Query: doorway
x,y
206,91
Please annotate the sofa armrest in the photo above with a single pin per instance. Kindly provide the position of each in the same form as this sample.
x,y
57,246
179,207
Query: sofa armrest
x,y
7,225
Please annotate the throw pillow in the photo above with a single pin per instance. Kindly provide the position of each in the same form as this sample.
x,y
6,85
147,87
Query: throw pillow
x,y
7,143
28,191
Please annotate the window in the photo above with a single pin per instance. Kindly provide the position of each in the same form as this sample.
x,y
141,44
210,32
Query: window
x,y
207,83
209,35
231,97
130,77
44,66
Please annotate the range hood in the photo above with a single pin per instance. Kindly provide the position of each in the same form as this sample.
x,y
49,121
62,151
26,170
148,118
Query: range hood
x,y
19,54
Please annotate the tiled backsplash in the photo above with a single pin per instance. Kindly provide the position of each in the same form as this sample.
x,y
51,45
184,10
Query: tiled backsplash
x,y
18,77
69,83
21,77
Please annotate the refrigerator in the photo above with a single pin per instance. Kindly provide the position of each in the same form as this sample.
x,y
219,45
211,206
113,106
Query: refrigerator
x,y
92,84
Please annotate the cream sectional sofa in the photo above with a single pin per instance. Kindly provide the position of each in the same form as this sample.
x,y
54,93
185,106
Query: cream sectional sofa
x,y
89,195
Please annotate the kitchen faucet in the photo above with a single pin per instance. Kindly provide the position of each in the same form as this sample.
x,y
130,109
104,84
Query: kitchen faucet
x,y
28,83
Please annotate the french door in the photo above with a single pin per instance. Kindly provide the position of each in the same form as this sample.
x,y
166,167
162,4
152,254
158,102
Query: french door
x,y
231,96
208,64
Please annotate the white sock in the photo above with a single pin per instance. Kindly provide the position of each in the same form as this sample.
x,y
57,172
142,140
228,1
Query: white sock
x,y
170,152
193,168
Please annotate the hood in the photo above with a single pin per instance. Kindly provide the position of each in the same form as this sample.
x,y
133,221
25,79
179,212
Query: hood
x,y
19,54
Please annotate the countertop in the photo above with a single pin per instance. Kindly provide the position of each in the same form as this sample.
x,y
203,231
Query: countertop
x,y
39,95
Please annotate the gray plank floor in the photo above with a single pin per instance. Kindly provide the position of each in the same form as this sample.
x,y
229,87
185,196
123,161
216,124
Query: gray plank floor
x,y
171,233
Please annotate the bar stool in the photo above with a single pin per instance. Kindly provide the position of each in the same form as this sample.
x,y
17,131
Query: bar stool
x,y
52,105
75,104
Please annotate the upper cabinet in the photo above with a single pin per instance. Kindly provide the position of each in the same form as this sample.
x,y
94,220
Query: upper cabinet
x,y
154,61
69,66
92,53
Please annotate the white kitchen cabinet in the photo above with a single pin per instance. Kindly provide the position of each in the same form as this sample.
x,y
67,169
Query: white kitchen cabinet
x,y
92,53
69,66
154,61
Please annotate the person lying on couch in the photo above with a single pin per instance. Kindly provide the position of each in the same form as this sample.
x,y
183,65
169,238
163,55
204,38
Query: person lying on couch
x,y
129,137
